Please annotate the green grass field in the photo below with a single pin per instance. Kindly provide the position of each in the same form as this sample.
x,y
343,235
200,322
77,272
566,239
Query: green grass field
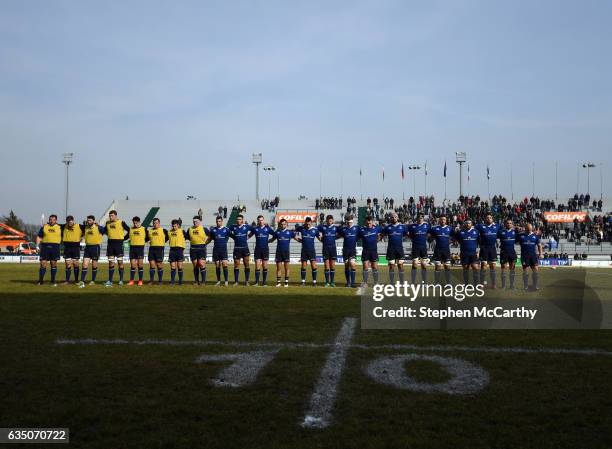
x,y
118,367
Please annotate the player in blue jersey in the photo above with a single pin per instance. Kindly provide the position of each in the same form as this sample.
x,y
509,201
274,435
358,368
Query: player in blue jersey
x,y
349,234
283,237
468,242
240,233
531,252
507,253
219,234
418,234
329,234
442,256
488,248
262,234
307,237
395,232
370,235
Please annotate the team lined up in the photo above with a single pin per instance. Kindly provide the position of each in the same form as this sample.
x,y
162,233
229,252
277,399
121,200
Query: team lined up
x,y
478,249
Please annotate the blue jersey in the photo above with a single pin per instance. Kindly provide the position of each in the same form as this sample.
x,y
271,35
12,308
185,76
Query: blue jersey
x,y
220,236
442,235
308,236
488,234
395,233
529,243
240,234
468,240
507,237
283,238
418,234
369,236
262,233
329,233
350,234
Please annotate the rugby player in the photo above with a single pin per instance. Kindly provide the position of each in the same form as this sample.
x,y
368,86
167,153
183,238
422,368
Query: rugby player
x,y
395,232
197,235
262,234
488,252
138,237
442,256
116,232
240,233
157,238
307,237
72,234
349,234
329,234
49,238
219,234
531,252
507,254
283,237
418,234
93,239
370,235
176,240
468,241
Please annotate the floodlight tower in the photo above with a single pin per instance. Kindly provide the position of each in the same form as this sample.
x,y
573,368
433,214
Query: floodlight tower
x,y
67,160
588,166
460,158
257,159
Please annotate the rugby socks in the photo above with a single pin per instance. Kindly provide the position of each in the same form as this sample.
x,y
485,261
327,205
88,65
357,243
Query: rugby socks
x,y
332,275
400,270
391,274
247,274
303,274
265,275
466,273
225,274
286,280
447,275
525,279
326,276
140,274
347,274
424,275
132,273
41,274
375,275
534,278
160,274
512,273
353,274
111,273
236,274
314,275
218,273
53,273
482,275
476,278
203,274
366,274
257,271
180,276
413,275
503,278
172,275
68,273
493,276
76,273
437,276
152,274
196,273
94,273
83,274
120,274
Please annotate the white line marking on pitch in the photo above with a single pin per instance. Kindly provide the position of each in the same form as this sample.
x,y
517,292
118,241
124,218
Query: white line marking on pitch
x,y
280,345
244,369
322,401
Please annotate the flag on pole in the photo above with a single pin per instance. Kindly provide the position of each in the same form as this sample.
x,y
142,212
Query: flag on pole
x,y
402,170
445,169
360,171
488,172
425,168
383,173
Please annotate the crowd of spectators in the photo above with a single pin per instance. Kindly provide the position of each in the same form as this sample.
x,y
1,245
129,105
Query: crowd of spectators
x,y
270,205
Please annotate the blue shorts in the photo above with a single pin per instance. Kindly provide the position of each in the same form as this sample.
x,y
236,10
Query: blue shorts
x,y
369,255
308,254
468,259
529,260
197,252
507,257
330,253
282,255
91,252
219,253
176,254
441,255
349,254
156,253
136,252
72,251
395,253
488,254
49,251
241,253
262,253
114,248
419,252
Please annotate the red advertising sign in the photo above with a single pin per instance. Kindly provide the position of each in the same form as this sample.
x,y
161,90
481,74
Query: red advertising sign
x,y
295,216
564,217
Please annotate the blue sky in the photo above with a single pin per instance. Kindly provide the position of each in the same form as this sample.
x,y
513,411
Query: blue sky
x,y
159,100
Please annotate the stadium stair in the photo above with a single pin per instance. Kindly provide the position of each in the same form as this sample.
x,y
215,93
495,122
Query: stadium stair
x,y
150,216
361,215
232,218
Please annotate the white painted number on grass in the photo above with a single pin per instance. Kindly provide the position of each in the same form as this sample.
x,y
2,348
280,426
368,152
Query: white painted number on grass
x,y
467,378
244,369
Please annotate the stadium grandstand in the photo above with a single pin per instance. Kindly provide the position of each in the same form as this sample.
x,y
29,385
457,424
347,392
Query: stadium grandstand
x,y
578,227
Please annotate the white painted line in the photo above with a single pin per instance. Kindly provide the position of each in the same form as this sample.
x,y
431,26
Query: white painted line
x,y
319,414
493,349
244,369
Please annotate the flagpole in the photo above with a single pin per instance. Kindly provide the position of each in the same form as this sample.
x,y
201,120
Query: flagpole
x,y
425,179
556,190
511,184
444,180
360,189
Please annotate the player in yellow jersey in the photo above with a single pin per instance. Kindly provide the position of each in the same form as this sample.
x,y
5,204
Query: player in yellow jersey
x,y
72,234
49,238
176,239
157,238
93,238
138,237
197,235
116,231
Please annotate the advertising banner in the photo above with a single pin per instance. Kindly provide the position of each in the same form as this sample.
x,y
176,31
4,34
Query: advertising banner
x,y
295,216
565,217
